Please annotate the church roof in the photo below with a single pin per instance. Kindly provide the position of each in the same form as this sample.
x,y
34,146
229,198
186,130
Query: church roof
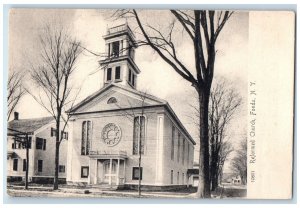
x,y
29,125
156,102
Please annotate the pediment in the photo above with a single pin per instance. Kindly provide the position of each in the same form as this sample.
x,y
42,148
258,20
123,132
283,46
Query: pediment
x,y
115,97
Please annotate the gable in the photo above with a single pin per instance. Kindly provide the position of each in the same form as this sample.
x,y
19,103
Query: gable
x,y
125,98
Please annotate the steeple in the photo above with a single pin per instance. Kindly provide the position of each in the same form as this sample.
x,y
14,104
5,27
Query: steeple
x,y
118,65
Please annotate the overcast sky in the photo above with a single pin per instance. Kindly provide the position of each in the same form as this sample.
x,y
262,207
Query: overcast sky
x,y
156,77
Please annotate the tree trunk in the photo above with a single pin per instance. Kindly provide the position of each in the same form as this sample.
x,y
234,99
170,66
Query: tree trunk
x,y
244,178
204,179
55,184
220,177
214,184
213,173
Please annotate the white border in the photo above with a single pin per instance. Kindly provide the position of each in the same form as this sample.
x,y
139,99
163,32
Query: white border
x,y
117,3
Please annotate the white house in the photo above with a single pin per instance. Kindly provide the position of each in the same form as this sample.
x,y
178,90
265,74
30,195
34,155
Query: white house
x,y
41,151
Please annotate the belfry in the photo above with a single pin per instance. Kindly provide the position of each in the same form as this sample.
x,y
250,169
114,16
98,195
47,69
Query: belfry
x,y
118,64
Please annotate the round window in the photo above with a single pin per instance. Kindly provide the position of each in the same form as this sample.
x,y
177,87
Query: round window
x,y
111,134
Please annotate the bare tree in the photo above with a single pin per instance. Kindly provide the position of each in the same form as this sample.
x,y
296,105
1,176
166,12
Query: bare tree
x,y
239,161
15,91
203,29
225,150
224,101
52,76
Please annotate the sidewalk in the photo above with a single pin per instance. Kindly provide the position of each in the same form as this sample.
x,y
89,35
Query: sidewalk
x,y
93,192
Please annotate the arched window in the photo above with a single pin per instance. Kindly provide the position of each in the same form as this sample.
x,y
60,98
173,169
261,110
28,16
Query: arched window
x,y
112,100
139,132
86,137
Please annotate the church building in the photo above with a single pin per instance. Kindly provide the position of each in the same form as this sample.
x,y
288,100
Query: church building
x,y
112,127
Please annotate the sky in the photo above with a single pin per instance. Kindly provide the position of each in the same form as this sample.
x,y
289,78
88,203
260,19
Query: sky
x,y
156,77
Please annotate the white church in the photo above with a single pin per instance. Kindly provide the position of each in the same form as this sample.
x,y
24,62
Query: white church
x,y
111,127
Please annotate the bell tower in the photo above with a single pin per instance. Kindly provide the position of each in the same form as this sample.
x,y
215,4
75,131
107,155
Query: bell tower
x,y
118,64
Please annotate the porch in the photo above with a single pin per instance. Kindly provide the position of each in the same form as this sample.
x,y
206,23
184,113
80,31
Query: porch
x,y
107,168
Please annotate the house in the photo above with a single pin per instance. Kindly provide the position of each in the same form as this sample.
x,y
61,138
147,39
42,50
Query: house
x,y
41,137
193,174
112,127
236,180
231,177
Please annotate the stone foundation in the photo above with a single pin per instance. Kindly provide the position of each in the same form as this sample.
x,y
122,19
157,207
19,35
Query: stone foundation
x,y
152,187
38,180
81,184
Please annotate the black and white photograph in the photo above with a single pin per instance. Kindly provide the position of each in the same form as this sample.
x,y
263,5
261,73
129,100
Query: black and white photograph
x,y
143,103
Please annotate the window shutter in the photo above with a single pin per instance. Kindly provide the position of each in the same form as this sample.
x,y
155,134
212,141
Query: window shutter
x,y
29,142
44,144
40,165
15,164
109,54
37,143
24,164
52,132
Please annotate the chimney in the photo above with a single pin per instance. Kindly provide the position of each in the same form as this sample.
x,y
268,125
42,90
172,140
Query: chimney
x,y
16,116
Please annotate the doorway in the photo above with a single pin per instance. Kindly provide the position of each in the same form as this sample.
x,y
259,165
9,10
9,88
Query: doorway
x,y
107,174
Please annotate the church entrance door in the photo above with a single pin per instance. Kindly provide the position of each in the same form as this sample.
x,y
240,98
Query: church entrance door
x,y
109,170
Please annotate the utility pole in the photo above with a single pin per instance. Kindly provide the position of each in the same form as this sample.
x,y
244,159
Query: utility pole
x,y
140,154
140,147
141,122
